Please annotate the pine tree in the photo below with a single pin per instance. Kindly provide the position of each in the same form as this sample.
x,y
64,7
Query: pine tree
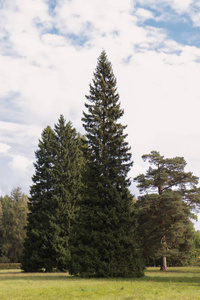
x,y
103,240
165,228
54,194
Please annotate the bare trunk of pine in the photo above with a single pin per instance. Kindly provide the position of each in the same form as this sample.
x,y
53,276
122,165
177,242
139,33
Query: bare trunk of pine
x,y
164,258
164,264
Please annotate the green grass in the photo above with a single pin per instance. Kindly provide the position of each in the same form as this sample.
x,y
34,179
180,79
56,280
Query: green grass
x,y
8,266
177,283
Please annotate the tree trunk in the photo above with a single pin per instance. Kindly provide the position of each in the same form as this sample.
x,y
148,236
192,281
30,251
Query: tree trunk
x,y
164,264
164,258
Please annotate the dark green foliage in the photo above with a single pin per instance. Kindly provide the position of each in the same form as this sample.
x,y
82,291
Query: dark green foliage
x,y
40,234
13,210
165,229
1,226
54,196
103,240
164,226
197,240
194,258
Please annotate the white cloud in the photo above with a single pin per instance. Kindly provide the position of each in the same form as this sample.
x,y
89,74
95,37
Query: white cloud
x,y
104,16
4,148
195,13
180,6
54,40
183,9
20,164
25,136
144,14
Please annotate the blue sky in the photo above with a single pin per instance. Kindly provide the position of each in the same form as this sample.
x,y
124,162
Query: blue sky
x,y
49,50
178,26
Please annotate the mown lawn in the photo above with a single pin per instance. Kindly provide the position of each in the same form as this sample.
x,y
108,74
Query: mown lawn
x,y
177,283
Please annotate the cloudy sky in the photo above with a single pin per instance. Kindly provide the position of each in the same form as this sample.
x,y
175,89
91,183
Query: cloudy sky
x,y
49,51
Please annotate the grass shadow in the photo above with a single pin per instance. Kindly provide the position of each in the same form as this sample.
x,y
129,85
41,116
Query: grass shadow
x,y
175,279
173,275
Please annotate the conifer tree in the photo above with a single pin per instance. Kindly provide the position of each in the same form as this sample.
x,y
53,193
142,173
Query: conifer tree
x,y
164,218
54,194
38,247
67,177
103,240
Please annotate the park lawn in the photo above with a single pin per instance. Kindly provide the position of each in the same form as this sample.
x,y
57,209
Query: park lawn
x,y
176,283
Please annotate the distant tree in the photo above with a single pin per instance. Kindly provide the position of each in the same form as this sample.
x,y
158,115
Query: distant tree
x,y
103,239
1,225
13,220
197,241
165,228
54,196
195,253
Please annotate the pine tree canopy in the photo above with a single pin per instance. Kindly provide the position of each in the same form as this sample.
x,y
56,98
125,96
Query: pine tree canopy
x,y
103,240
165,228
169,174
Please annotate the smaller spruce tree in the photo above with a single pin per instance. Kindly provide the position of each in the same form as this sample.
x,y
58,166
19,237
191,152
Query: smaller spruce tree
x,y
54,197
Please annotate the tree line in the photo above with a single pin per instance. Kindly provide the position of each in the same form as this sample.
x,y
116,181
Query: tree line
x,y
13,219
81,214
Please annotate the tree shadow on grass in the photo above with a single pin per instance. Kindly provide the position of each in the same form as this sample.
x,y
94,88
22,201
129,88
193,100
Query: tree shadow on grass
x,y
197,271
35,276
163,278
174,279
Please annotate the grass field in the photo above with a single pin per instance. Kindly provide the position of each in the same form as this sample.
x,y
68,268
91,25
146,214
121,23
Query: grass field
x,y
177,283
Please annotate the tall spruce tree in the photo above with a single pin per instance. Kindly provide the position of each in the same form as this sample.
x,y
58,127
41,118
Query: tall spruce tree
x,y
54,196
103,239
164,218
